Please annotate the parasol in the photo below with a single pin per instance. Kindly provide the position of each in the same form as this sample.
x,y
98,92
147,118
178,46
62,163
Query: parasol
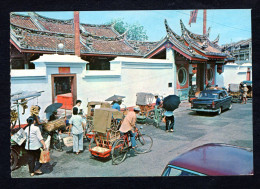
x,y
115,97
171,102
53,107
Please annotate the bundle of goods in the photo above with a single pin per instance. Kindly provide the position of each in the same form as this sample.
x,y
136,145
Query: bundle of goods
x,y
54,125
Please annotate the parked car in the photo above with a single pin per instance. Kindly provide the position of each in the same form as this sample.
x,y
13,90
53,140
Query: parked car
x,y
212,101
212,159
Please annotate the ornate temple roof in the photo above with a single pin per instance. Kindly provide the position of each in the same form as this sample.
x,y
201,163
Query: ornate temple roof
x,y
201,43
38,33
178,45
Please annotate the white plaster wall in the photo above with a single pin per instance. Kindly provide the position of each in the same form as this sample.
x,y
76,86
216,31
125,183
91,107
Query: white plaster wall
x,y
127,77
234,73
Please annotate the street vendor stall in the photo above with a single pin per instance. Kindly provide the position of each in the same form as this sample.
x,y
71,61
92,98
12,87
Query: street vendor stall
x,y
17,133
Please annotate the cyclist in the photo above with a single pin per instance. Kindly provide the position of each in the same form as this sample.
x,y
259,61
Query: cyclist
x,y
128,125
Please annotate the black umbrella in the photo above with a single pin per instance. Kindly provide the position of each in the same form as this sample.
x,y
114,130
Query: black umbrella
x,y
115,97
171,102
53,107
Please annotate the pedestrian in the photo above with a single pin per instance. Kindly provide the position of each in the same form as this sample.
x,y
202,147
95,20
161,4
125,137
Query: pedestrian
x,y
158,101
77,123
116,104
169,117
35,111
244,95
33,144
128,125
78,105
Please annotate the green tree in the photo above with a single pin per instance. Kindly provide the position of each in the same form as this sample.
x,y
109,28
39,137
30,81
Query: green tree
x,y
134,31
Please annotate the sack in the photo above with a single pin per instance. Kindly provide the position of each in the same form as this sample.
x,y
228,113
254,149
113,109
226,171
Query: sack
x,y
45,156
55,124
164,120
68,141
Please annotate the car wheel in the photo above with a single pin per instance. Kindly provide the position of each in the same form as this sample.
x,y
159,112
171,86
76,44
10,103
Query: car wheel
x,y
230,106
220,110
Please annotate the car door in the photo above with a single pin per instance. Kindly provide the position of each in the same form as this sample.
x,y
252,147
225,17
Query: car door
x,y
225,100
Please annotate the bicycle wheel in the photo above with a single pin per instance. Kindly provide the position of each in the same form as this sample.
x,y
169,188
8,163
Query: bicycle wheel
x,y
119,151
144,143
151,114
57,142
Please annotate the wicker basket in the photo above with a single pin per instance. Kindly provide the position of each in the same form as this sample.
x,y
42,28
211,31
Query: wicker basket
x,y
54,125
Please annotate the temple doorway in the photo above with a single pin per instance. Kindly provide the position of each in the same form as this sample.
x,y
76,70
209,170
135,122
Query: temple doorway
x,y
64,90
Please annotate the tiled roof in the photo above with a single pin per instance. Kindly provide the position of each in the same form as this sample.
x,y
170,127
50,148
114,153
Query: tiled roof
x,y
108,47
100,30
57,27
95,39
23,21
143,47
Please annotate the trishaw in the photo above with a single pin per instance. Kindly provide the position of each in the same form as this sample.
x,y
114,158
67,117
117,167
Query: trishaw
x,y
148,110
107,140
105,132
90,115
17,132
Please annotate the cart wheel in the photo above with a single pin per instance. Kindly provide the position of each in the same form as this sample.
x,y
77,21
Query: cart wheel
x,y
14,159
150,114
119,151
144,143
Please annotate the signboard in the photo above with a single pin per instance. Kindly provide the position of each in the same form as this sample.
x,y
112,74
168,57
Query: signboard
x,y
64,70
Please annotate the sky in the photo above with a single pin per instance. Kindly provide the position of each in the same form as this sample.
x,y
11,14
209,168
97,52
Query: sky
x,y
232,24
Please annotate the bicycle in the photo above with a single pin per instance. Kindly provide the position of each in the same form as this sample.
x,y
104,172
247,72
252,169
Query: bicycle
x,y
122,145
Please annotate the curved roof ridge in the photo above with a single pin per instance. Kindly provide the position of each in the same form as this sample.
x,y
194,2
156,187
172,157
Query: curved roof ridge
x,y
193,35
17,14
97,25
41,32
54,19
170,31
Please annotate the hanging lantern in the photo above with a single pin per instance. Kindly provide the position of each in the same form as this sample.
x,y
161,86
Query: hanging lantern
x,y
193,68
219,68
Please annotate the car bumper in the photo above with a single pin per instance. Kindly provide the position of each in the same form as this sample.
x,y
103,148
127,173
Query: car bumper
x,y
204,110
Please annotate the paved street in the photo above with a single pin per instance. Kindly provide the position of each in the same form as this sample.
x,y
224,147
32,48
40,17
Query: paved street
x,y
191,130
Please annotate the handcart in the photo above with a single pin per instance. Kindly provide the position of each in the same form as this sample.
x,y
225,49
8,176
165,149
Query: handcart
x,y
105,131
234,90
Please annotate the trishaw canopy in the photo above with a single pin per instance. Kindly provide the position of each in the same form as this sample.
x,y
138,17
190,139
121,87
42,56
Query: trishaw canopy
x,y
143,98
103,117
102,105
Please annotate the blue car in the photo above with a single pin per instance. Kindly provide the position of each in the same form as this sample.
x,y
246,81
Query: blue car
x,y
212,101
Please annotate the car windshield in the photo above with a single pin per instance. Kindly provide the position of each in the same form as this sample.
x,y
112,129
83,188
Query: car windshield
x,y
208,95
170,171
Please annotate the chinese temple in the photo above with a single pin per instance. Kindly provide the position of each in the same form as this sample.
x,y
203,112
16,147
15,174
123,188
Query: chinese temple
x,y
196,57
72,60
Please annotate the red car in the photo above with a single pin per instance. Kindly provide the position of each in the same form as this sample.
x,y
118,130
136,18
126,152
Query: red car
x,y
212,160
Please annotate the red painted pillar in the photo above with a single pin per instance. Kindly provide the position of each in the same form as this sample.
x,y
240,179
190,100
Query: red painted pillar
x,y
204,21
76,33
248,74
